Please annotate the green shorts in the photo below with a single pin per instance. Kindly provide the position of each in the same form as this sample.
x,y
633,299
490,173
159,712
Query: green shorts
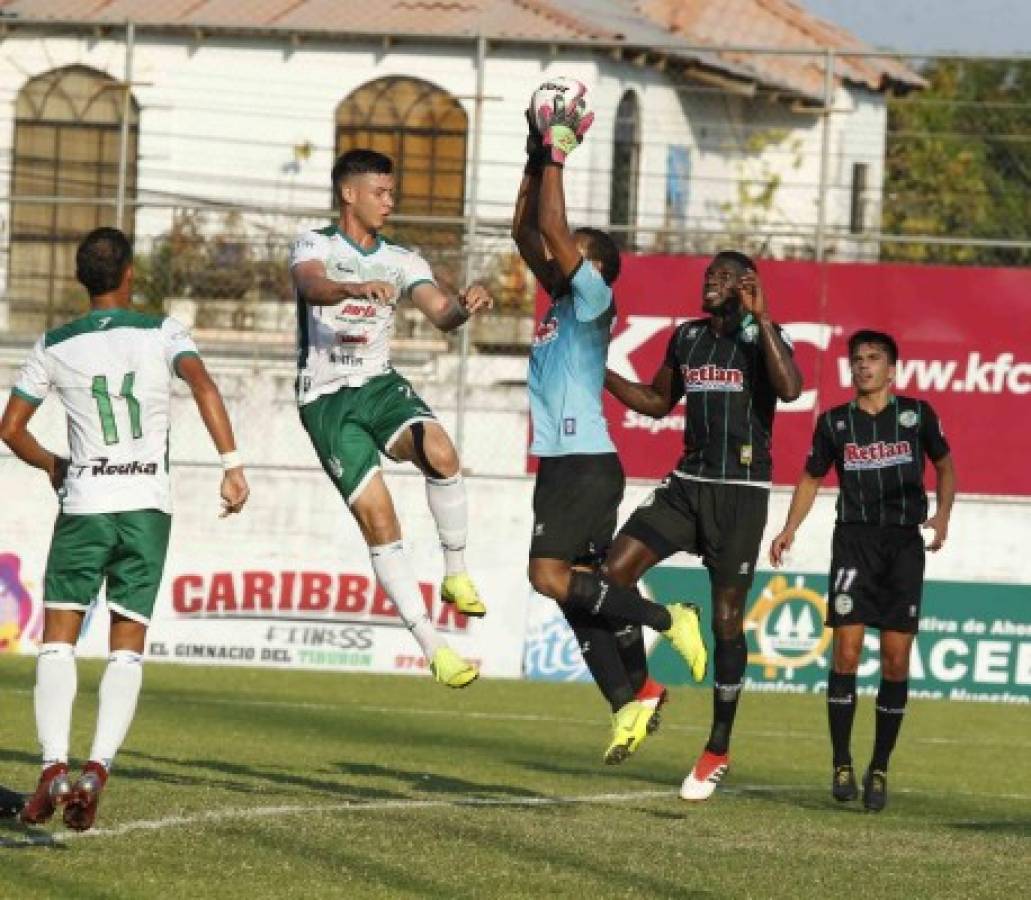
x,y
126,548
350,428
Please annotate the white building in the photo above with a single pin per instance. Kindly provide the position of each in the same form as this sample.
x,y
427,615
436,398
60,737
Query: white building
x,y
241,105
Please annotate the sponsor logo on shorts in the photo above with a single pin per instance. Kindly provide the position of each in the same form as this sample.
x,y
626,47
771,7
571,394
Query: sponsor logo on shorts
x,y
879,455
912,611
569,426
336,467
538,529
102,465
712,378
843,604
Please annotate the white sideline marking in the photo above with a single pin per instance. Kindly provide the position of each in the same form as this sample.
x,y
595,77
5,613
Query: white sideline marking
x,y
264,812
357,806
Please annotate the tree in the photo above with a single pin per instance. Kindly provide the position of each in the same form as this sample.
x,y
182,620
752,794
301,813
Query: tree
x,y
958,163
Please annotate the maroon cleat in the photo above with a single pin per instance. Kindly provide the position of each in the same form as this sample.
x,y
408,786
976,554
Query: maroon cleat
x,y
653,695
54,787
80,809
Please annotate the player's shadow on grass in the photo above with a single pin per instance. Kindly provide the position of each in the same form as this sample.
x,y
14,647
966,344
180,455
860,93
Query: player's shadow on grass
x,y
430,783
636,770
15,836
280,778
1018,828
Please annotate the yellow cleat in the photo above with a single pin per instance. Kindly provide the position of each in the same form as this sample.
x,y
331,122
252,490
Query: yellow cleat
x,y
449,668
629,727
460,590
685,634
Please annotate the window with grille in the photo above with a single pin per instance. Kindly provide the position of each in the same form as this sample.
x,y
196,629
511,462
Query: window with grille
x,y
67,138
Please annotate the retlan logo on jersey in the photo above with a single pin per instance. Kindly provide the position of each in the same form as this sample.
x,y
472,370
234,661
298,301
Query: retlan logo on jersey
x,y
339,598
102,465
879,455
712,378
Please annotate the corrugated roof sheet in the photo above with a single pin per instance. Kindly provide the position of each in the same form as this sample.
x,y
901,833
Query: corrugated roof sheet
x,y
638,24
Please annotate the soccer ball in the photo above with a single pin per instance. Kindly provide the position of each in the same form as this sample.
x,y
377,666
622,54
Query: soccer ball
x,y
556,94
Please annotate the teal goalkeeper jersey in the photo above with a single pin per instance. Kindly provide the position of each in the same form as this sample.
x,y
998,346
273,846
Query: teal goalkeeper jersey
x,y
567,369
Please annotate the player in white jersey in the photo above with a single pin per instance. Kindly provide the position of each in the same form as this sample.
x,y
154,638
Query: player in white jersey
x,y
112,370
354,406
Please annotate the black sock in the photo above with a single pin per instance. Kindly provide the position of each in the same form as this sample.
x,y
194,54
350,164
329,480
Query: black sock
x,y
841,711
731,659
630,643
600,597
891,706
601,655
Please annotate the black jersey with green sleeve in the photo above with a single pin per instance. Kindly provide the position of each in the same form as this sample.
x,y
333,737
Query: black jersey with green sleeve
x,y
729,401
879,459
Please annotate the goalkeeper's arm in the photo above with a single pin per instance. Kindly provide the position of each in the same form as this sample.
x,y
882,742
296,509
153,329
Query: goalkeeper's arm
x,y
554,226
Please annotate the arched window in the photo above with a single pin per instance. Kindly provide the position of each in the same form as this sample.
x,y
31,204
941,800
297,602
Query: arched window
x,y
626,154
67,137
422,128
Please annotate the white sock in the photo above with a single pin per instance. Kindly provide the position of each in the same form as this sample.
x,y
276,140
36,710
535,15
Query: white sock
x,y
446,497
394,573
119,690
56,684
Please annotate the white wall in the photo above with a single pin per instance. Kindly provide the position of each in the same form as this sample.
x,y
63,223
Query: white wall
x,y
220,119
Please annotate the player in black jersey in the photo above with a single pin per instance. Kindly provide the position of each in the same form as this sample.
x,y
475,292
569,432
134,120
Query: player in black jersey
x,y
731,368
878,444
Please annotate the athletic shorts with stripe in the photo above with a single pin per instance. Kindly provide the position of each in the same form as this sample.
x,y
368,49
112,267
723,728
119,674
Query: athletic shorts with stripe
x,y
128,549
351,427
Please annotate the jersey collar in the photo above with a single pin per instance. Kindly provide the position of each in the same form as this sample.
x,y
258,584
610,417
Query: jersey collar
x,y
359,248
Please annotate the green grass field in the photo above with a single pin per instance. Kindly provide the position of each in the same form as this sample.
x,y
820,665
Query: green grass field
x,y
249,783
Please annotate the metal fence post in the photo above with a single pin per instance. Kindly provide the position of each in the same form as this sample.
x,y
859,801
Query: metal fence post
x,y
123,149
469,241
825,152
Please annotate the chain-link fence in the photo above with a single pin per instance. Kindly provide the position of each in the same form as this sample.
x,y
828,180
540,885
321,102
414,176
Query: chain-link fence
x,y
832,155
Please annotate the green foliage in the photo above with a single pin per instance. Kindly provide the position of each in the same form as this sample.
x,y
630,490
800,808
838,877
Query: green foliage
x,y
958,163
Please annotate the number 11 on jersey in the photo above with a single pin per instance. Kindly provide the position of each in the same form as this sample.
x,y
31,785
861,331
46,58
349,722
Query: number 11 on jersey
x,y
106,410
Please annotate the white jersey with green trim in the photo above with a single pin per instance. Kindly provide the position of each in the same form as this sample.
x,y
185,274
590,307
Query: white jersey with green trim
x,y
112,370
346,344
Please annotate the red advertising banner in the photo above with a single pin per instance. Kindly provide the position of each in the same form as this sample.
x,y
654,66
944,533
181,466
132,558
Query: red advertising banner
x,y
964,337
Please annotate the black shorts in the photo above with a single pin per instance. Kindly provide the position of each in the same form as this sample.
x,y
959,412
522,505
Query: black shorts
x,y
575,505
722,523
877,577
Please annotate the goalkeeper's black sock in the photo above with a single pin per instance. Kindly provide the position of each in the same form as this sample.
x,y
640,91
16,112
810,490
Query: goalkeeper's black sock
x,y
891,707
731,660
841,712
630,643
601,655
600,597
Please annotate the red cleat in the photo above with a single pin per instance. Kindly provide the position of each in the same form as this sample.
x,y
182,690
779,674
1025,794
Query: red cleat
x,y
54,787
654,696
80,810
706,774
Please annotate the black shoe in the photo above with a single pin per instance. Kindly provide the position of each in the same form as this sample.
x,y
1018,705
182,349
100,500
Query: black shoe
x,y
843,784
875,790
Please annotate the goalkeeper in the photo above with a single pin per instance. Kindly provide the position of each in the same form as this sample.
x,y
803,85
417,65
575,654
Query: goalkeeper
x,y
579,477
